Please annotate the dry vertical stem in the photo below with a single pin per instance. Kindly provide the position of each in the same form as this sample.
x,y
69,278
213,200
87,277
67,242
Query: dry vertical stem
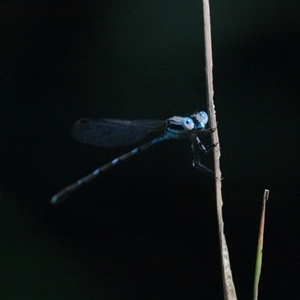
x,y
228,285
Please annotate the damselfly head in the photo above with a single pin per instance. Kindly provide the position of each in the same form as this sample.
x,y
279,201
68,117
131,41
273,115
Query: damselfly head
x,y
200,119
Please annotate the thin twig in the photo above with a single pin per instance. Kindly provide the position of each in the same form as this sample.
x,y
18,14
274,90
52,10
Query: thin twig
x,y
260,245
228,285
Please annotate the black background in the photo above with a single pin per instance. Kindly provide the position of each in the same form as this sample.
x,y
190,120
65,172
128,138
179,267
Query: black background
x,y
147,229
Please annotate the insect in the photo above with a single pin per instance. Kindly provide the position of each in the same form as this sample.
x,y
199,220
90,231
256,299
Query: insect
x,y
117,133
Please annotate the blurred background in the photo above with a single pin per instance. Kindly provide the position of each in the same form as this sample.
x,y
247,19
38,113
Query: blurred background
x,y
147,229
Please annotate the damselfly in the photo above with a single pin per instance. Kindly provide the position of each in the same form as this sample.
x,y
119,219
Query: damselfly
x,y
117,133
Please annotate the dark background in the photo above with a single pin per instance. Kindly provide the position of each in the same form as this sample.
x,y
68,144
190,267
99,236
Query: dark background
x,y
147,229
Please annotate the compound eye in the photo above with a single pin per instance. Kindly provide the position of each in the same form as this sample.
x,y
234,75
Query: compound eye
x,y
203,117
188,123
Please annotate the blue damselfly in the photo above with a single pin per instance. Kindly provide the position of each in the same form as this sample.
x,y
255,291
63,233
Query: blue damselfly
x,y
117,133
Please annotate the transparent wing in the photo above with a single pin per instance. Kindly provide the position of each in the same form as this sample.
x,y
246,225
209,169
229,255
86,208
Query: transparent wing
x,y
114,133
